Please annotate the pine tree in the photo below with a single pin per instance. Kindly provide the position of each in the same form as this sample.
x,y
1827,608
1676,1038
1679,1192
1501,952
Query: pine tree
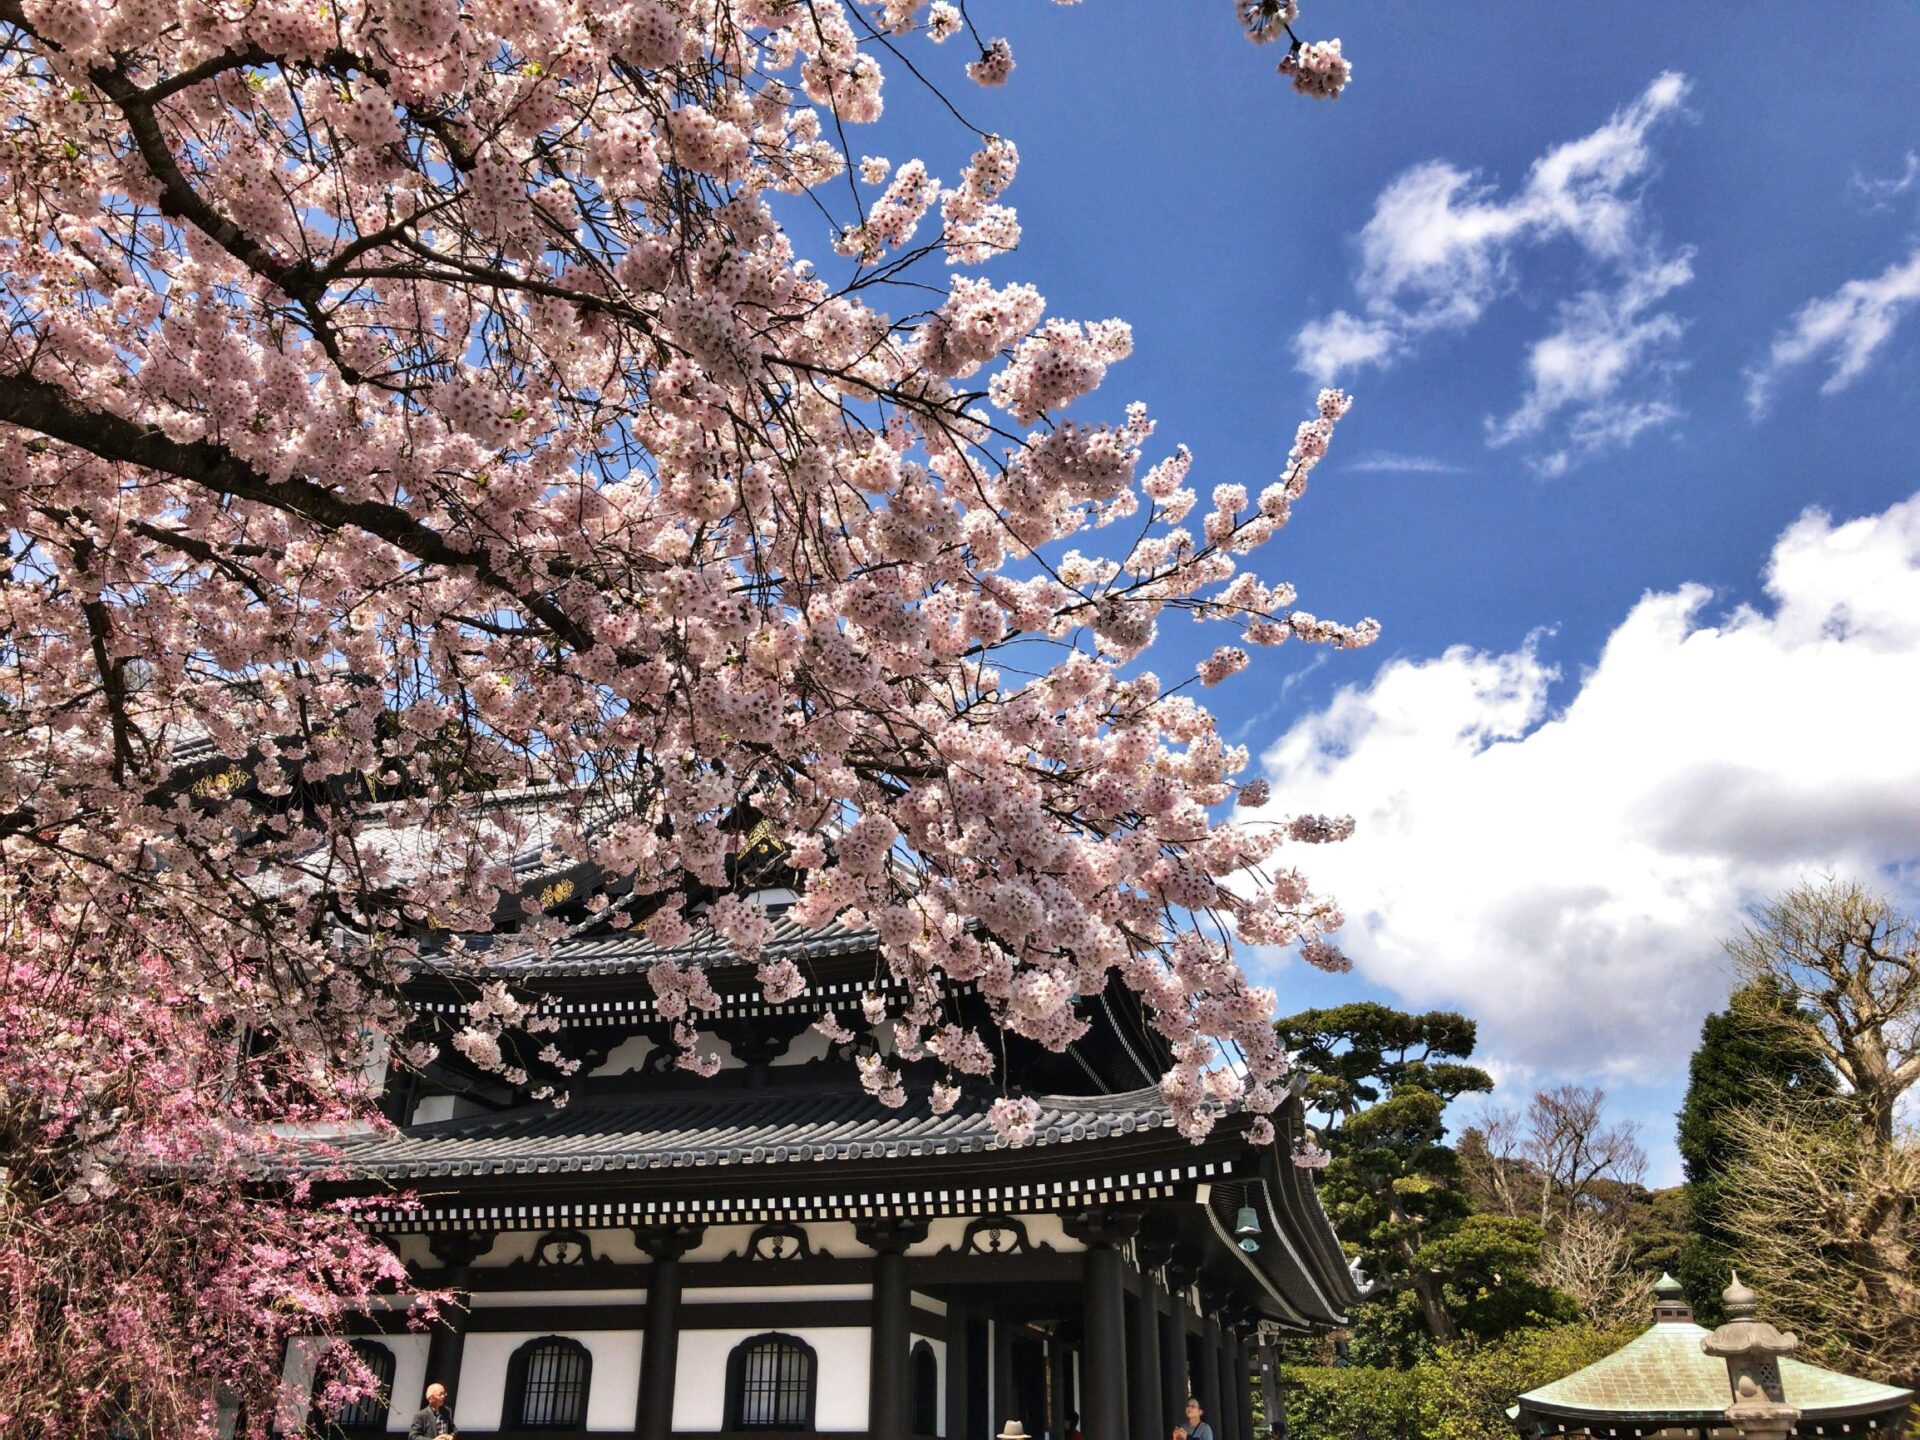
x,y
1382,1080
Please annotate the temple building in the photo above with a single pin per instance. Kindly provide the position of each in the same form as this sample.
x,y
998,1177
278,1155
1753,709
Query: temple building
x,y
770,1250
1678,1381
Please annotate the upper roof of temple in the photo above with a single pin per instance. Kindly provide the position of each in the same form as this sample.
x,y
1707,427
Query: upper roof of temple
x,y
691,1129
623,953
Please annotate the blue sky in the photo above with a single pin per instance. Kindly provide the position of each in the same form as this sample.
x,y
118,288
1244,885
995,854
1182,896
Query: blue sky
x,y
1574,754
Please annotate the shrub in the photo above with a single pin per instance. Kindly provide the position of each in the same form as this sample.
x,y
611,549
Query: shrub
x,y
1460,1392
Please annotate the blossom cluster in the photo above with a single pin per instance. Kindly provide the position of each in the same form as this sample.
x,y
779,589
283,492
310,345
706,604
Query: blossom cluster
x,y
143,1277
410,407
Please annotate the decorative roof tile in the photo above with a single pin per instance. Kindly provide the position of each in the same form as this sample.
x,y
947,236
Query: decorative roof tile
x,y
1665,1373
724,1128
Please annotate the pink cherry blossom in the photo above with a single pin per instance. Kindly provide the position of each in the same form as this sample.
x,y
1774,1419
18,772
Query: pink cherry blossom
x,y
436,480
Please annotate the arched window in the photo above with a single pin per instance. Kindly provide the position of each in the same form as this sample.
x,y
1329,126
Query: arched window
x,y
926,1390
369,1412
770,1384
547,1384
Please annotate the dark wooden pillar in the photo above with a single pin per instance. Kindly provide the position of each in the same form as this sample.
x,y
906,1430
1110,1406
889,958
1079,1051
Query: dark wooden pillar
x,y
1228,1425
660,1343
1060,1362
1175,1383
1242,1389
447,1340
1144,1399
447,1346
1003,1396
1103,1357
889,1417
959,1364
889,1392
1209,1368
1103,1363
1270,1389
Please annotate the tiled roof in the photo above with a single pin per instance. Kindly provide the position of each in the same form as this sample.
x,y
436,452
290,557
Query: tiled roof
x,y
624,953
1664,1372
725,1128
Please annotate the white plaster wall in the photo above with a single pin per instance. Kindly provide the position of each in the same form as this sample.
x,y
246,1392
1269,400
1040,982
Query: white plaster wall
x,y
842,1355
734,1294
617,1245
628,1056
296,1374
413,1249
509,1246
624,1057
613,1392
927,1302
809,1045
443,1107
303,1361
409,1377
497,1299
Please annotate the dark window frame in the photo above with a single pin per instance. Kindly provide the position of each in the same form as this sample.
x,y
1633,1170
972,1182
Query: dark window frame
x,y
514,1412
923,1390
737,1359
385,1365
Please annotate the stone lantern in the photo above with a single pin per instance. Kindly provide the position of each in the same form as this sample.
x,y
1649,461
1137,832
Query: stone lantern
x,y
1752,1349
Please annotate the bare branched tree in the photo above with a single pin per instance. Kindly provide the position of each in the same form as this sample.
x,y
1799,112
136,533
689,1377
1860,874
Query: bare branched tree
x,y
1568,1138
1826,1223
1850,964
1590,1257
1499,1176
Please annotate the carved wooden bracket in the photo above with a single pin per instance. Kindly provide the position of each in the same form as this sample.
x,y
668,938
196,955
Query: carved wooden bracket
x,y
667,1242
889,1235
459,1247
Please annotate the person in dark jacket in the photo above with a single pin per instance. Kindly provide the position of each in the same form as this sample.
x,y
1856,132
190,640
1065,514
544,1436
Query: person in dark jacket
x,y
435,1420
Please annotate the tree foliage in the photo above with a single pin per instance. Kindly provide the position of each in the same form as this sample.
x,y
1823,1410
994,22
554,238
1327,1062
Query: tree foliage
x,y
1382,1080
1847,965
1749,1053
1456,1392
1825,1220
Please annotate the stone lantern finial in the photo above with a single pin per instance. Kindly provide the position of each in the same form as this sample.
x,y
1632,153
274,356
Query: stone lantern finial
x,y
1752,1350
1670,1301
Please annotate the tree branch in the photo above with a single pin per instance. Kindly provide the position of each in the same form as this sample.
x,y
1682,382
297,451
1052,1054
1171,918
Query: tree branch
x,y
47,410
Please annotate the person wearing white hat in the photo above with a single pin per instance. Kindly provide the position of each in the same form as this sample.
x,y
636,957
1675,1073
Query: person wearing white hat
x,y
1013,1430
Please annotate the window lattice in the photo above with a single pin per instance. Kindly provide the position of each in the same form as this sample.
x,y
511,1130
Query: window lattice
x,y
776,1384
370,1411
553,1394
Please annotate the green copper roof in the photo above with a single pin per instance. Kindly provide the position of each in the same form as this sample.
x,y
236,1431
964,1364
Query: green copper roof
x,y
1664,1372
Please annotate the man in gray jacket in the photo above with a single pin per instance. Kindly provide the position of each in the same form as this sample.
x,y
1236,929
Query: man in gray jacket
x,y
435,1421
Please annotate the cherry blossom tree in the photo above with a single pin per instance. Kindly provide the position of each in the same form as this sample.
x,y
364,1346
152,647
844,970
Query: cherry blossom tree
x,y
139,1260
410,406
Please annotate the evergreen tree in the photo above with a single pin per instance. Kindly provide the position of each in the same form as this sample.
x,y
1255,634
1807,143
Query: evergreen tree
x,y
1745,1051
1382,1079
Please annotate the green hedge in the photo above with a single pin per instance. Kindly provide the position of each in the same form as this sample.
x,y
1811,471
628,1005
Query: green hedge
x,y
1457,1393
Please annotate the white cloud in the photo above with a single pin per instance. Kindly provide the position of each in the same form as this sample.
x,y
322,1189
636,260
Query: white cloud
x,y
1566,876
1442,246
1387,462
1880,193
1583,367
1848,327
